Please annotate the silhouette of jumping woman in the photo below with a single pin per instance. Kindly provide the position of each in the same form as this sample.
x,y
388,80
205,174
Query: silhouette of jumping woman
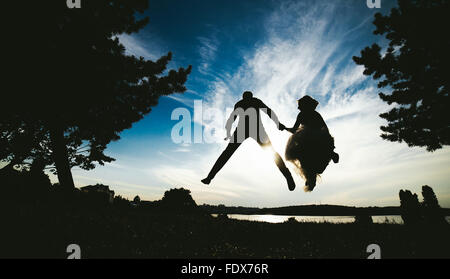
x,y
249,126
311,147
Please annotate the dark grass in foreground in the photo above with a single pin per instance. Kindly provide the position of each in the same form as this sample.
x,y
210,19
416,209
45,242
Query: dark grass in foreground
x,y
43,222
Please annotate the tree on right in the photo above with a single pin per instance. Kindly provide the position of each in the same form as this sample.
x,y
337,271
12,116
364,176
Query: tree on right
x,y
414,68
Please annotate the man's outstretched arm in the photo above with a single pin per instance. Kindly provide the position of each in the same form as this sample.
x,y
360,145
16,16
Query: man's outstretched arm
x,y
272,115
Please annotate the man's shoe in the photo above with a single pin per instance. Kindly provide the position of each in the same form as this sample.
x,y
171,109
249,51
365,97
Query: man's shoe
x,y
289,179
206,181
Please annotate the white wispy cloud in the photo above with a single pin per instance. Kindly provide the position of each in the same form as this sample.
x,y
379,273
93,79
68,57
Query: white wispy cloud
x,y
182,99
134,46
207,51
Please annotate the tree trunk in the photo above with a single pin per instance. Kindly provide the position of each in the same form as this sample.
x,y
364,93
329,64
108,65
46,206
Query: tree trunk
x,y
61,157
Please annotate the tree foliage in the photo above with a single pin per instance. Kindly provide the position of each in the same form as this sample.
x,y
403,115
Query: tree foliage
x,y
426,212
415,67
429,197
178,199
75,88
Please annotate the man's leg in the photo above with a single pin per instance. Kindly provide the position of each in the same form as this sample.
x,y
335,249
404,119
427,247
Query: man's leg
x,y
221,161
284,170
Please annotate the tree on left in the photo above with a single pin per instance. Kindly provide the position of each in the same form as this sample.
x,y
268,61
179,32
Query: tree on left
x,y
73,87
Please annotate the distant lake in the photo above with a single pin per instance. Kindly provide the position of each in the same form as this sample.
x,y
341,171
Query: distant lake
x,y
397,219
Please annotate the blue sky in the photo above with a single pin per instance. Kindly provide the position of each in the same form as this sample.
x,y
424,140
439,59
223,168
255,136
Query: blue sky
x,y
280,50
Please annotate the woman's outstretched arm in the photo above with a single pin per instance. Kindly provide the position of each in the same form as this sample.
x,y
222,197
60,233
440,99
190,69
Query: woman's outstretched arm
x,y
296,125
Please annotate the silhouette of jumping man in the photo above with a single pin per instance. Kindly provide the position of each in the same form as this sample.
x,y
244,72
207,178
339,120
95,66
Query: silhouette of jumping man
x,y
249,126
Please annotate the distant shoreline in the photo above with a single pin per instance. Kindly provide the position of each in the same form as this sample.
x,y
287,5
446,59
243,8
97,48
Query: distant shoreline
x,y
309,210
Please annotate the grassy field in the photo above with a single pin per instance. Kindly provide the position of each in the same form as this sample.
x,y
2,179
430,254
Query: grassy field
x,y
41,221
127,232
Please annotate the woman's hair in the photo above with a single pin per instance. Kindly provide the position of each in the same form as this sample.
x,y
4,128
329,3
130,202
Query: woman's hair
x,y
307,103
